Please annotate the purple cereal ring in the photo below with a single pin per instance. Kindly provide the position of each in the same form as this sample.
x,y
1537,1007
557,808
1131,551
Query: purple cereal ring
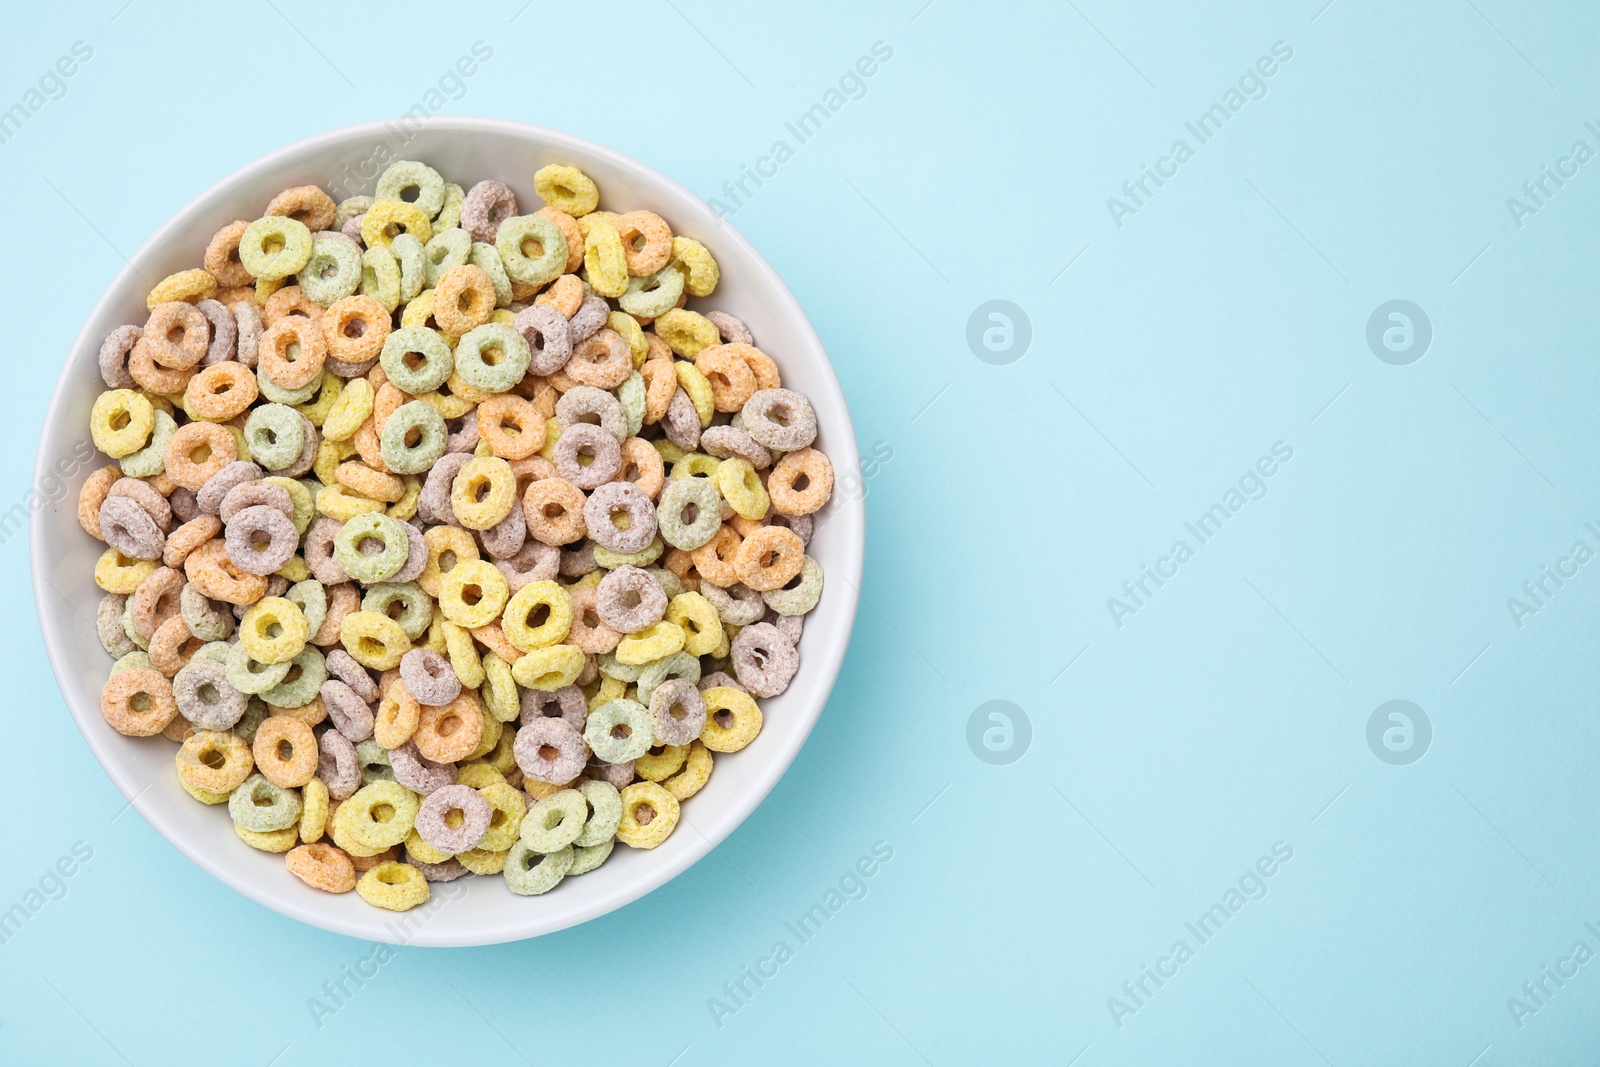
x,y
764,660
567,704
432,818
337,764
352,229
732,330
250,494
550,751
418,773
485,207
599,517
261,539
800,524
433,503
310,441
416,555
343,666
350,715
618,774
129,529
319,552
114,357
534,562
780,418
677,712
210,495
584,439
461,435
204,696
682,422
585,403
224,332
576,562
730,442
505,538
789,626
737,605
428,677
183,504
716,678
144,494
448,871
343,368
629,600
587,320
248,318
549,339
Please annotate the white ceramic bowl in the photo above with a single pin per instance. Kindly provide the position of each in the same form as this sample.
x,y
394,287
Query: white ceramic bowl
x,y
473,911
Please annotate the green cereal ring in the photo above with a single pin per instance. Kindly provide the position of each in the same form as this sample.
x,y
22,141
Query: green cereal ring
x,y
445,249
555,822
587,859
492,357
408,251
450,214
630,394
801,598
622,672
217,651
690,513
383,564
643,558
349,209
487,259
260,806
373,760
300,496
405,174
275,435
413,438
537,270
416,359
277,394
299,687
380,274
128,628
274,247
529,873
252,676
671,583
603,805
653,295
404,602
312,600
151,459
619,730
678,665
136,658
333,272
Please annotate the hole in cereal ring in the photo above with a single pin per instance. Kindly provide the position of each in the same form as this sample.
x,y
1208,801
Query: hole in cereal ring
x,y
554,511
382,812
293,675
643,814
413,437
724,719
677,712
539,615
212,758
622,731
548,752
448,725
208,694
120,420
285,751
199,454
139,702
454,818
471,594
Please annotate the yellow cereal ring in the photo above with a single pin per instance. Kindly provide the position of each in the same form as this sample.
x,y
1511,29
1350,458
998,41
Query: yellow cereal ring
x,y
478,774
338,502
493,730
701,395
628,328
697,617
566,189
373,639
190,285
397,717
695,774
329,455
215,760
483,492
463,653
741,487
649,815
483,861
327,395
732,719
305,507
116,573
505,820
670,453
393,886
605,261
499,689
351,408
473,593
406,506
313,811
654,642
386,218
700,272
269,840
656,766
273,630
418,849
549,669
686,333
120,422
204,796
610,689
537,615
295,570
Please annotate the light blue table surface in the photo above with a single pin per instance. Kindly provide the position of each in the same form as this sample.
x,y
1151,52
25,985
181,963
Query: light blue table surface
x,y
1168,743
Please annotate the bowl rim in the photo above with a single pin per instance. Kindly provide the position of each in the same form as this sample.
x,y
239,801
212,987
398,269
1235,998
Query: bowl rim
x,y
848,523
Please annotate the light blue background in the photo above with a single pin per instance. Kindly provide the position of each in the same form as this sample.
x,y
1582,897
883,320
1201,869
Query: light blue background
x,y
1230,713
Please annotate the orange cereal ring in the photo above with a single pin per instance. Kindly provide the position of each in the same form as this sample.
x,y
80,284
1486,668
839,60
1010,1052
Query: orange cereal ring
x,y
769,558
660,384
138,702
565,293
646,241
553,510
363,864
343,600
151,376
222,258
312,713
188,537
290,300
642,465
197,451
370,483
292,351
760,364
176,335
569,230
463,299
213,574
305,204
714,559
449,732
731,377
368,445
322,866
173,645
385,402
603,361
396,718
221,391
355,328
494,639
681,563
511,426
801,482
285,751
92,495
587,632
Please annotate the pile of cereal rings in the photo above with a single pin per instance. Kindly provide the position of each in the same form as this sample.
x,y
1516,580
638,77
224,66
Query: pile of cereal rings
x,y
445,539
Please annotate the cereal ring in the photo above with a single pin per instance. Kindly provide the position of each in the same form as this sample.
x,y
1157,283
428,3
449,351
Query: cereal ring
x,y
555,821
273,630
419,774
322,866
334,270
393,886
553,509
550,668
646,241
511,426
138,702
537,615
95,489
780,418
463,298
209,497
588,633
274,433
492,357
587,404
565,295
129,529
681,422
797,598
473,593
413,438
212,760
306,204
377,816
485,207
567,189
221,392
374,640
285,752
222,255
769,558
177,335
661,762
649,815
737,605
371,547
405,174
483,491
714,559
261,806
529,873
300,685
387,219
600,514
629,600
355,329
700,270
605,261
275,247
350,714
120,422
685,332
677,712
291,352
600,447
603,361
690,513
619,730
435,825
801,482
382,279
550,750
429,679
532,248
338,766
764,659
261,539
567,705
449,733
